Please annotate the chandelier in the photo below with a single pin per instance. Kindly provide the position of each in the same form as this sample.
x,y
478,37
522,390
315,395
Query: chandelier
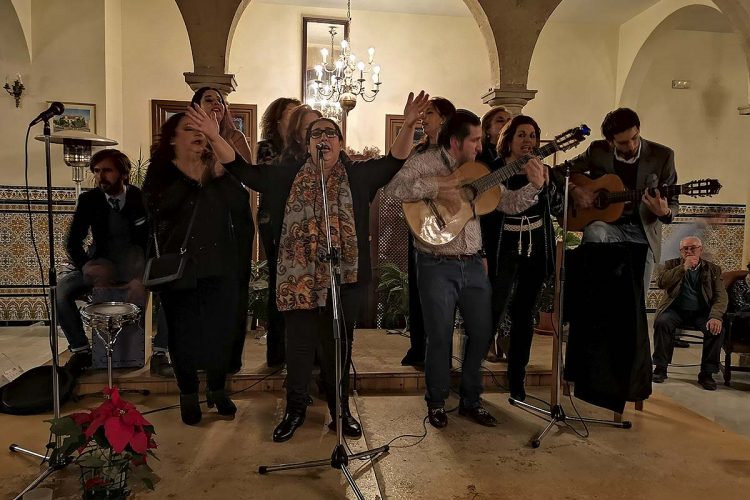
x,y
340,81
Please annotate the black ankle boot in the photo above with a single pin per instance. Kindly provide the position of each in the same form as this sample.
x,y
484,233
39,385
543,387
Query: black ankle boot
x,y
190,409
285,430
219,398
350,427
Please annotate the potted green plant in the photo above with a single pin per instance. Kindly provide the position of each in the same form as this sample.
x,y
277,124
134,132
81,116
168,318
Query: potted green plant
x,y
393,287
107,443
257,307
138,169
547,315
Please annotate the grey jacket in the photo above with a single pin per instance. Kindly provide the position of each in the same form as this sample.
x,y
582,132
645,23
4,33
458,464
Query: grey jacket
x,y
712,287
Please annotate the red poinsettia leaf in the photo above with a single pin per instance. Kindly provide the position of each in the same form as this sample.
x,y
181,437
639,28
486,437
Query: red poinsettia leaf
x,y
139,441
97,422
118,434
133,417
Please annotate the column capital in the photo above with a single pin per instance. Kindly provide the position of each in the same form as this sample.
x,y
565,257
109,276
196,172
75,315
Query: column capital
x,y
224,82
513,97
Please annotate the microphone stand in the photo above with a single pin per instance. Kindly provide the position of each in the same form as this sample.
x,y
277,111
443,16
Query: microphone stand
x,y
53,458
556,414
339,458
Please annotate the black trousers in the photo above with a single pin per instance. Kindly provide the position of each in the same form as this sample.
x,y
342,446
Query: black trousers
x,y
416,320
275,327
305,330
665,326
514,290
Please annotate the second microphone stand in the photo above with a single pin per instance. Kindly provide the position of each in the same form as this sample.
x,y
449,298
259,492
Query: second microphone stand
x,y
556,414
339,458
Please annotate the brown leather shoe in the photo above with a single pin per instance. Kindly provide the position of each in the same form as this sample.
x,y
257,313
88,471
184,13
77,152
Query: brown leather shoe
x,y
479,415
437,417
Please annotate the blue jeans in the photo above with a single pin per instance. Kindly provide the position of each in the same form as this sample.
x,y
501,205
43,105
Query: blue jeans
x,y
603,232
443,284
70,287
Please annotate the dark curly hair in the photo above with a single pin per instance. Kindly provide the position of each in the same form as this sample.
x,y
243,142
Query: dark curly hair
x,y
120,161
163,152
445,109
227,123
269,124
509,130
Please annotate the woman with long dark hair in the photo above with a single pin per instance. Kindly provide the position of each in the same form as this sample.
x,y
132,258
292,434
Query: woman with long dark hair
x,y
213,103
439,109
184,184
525,252
273,129
300,119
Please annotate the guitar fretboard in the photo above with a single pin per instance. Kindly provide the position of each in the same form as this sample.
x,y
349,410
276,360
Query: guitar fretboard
x,y
489,181
635,195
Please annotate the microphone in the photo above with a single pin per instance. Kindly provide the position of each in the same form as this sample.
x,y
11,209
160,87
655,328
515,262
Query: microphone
x,y
321,146
56,108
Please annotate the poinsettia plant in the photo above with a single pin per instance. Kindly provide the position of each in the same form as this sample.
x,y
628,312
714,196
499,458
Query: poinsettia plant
x,y
113,433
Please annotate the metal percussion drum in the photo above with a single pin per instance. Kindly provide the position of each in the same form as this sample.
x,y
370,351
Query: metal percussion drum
x,y
107,320
110,315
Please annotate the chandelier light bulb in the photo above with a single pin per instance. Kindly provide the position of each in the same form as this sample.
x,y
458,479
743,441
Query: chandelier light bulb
x,y
361,66
376,70
371,53
344,44
324,53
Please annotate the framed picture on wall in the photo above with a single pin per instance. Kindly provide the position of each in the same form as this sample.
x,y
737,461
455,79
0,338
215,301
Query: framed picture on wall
x,y
245,117
77,116
393,124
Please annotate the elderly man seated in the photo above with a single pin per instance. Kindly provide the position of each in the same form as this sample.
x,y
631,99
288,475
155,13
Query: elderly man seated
x,y
695,297
115,215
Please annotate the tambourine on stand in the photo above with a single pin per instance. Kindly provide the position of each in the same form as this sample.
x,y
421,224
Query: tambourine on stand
x,y
107,320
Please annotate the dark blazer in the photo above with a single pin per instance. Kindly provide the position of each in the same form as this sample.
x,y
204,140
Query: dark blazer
x,y
655,168
712,287
92,212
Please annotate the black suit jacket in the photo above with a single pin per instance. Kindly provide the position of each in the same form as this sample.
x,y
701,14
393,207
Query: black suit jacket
x,y
655,168
92,212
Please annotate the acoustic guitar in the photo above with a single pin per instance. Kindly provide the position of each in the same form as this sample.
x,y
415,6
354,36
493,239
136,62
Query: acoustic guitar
x,y
434,224
610,197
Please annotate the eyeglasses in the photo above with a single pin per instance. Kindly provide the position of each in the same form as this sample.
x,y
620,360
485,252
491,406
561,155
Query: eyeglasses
x,y
329,132
691,248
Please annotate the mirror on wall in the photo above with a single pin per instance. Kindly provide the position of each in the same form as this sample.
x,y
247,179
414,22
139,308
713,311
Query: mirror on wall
x,y
321,45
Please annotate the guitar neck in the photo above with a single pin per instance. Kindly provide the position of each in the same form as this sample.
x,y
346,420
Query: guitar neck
x,y
489,181
635,195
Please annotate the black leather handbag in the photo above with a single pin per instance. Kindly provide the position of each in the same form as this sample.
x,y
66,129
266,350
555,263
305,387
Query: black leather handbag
x,y
171,271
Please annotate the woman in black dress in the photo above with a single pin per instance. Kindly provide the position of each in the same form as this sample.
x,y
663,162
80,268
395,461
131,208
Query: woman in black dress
x,y
201,316
525,252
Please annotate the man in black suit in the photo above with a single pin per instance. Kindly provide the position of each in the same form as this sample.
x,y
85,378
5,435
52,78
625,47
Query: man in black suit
x,y
640,164
116,216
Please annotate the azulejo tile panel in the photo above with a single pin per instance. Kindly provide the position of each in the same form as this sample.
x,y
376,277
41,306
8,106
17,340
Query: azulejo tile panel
x,y
22,283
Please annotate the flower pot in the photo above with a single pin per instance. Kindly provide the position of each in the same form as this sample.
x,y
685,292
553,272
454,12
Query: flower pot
x,y
107,480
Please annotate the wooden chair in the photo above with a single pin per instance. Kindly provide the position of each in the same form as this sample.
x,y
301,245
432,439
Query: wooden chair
x,y
737,331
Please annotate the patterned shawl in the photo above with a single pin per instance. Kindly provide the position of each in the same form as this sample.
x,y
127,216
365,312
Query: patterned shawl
x,y
302,279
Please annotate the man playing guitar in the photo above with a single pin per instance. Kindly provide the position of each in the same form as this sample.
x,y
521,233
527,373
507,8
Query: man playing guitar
x,y
640,164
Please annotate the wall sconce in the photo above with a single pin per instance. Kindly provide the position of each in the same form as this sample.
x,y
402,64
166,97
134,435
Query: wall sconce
x,y
16,90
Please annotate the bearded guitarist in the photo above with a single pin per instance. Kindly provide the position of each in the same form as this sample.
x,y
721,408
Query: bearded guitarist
x,y
640,164
453,274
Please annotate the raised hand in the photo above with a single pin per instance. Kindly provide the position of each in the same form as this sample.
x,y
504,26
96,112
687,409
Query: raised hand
x,y
202,122
414,107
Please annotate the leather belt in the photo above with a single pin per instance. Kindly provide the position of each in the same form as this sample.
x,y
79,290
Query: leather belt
x,y
454,257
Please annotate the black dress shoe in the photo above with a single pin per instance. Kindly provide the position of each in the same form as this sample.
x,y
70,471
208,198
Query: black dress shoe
x,y
190,409
437,417
660,375
285,430
517,389
78,363
682,344
350,428
224,405
706,380
479,415
160,366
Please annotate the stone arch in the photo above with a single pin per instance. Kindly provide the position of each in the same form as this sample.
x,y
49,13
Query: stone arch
x,y
480,16
14,41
